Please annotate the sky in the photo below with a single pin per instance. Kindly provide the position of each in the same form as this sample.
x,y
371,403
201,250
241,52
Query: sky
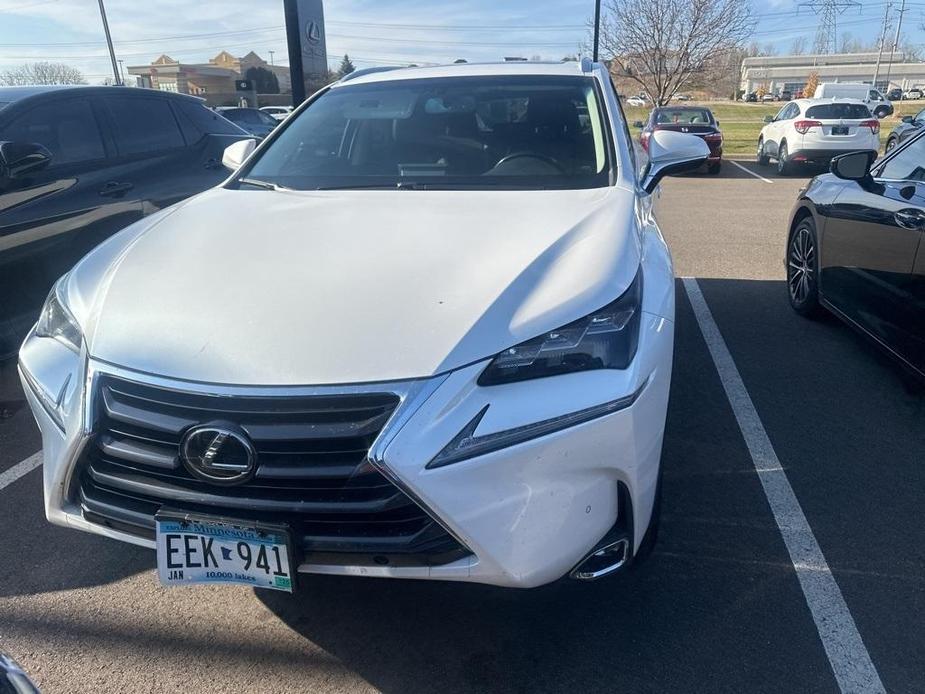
x,y
372,32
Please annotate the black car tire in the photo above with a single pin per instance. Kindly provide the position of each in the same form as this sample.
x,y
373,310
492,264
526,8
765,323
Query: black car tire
x,y
881,112
762,157
803,269
714,169
783,164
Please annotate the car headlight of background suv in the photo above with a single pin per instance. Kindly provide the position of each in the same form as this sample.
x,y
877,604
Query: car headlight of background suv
x,y
56,320
605,339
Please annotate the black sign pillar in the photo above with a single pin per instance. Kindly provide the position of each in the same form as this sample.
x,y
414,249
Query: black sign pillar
x,y
305,38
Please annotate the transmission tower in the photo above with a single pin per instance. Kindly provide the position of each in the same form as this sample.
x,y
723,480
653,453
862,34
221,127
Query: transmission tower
x,y
828,12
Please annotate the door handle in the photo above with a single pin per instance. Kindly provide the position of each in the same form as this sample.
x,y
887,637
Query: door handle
x,y
910,219
113,188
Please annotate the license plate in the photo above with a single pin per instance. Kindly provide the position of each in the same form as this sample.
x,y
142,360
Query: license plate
x,y
198,549
839,129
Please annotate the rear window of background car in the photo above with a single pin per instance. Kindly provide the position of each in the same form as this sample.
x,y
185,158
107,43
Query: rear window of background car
x,y
835,111
143,125
204,120
693,115
67,128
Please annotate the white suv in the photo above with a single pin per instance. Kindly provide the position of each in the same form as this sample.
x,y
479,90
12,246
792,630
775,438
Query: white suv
x,y
425,330
812,131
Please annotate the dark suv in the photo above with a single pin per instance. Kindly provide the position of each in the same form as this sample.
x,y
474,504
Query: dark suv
x,y
79,163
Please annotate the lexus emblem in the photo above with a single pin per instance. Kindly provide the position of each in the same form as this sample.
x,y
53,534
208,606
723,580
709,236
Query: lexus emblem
x,y
313,31
218,454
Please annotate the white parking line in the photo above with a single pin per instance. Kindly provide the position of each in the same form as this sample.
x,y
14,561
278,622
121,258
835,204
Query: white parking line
x,y
749,171
851,663
19,469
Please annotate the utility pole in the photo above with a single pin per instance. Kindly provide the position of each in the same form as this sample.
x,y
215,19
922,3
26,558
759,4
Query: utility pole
x,y
112,53
899,26
271,57
597,28
121,71
886,23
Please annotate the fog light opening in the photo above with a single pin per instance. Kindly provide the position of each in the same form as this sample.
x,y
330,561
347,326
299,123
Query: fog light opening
x,y
602,561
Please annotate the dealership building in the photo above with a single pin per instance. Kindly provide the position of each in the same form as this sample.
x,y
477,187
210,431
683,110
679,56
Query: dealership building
x,y
774,73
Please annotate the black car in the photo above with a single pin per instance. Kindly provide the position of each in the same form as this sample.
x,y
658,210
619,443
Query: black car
x,y
909,128
855,248
784,95
695,120
79,163
895,94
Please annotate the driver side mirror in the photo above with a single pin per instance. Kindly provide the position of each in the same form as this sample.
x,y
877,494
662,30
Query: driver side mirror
x,y
18,159
671,153
907,119
235,154
854,166
637,124
769,119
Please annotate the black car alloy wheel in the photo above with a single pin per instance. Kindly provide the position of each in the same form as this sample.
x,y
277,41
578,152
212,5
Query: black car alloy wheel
x,y
803,268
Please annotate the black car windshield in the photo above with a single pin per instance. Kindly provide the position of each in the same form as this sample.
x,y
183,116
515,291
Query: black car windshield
x,y
835,111
668,116
530,132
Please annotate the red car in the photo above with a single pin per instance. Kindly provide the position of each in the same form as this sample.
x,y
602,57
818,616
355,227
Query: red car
x,y
695,120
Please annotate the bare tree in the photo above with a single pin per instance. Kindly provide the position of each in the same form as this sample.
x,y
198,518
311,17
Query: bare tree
x,y
41,73
799,45
663,44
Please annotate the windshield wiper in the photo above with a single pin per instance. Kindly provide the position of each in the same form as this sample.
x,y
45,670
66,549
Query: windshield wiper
x,y
401,185
257,183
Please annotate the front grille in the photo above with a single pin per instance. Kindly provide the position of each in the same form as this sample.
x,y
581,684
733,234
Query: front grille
x,y
312,472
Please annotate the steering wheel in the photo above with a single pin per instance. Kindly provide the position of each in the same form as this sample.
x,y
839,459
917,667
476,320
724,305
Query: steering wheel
x,y
531,155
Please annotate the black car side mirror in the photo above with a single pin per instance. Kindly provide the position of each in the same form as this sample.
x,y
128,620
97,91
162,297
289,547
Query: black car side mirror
x,y
637,124
907,119
769,119
854,166
18,159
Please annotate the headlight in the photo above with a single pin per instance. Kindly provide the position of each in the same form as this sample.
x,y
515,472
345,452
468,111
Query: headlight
x,y
56,320
605,339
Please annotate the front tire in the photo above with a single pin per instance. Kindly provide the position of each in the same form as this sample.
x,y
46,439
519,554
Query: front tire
x,y
803,269
714,169
783,165
890,145
762,157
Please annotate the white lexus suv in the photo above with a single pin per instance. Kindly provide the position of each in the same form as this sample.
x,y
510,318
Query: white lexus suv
x,y
424,330
812,131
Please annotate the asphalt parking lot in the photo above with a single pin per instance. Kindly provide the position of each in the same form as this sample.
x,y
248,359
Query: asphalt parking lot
x,y
721,605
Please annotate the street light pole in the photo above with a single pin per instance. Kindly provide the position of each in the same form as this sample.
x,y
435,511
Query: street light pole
x,y
597,27
112,53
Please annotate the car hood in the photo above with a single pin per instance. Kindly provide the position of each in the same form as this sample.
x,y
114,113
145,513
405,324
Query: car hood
x,y
311,287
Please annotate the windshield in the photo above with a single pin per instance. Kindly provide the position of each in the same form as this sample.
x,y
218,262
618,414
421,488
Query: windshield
x,y
486,132
833,111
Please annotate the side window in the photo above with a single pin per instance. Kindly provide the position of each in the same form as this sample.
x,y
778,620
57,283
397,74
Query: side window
x,y
791,111
782,114
143,124
206,120
907,165
67,128
873,95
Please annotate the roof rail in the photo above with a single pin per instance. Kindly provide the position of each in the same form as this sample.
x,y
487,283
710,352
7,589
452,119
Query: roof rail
x,y
368,71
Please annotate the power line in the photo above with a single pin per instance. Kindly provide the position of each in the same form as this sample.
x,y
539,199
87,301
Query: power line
x,y
828,11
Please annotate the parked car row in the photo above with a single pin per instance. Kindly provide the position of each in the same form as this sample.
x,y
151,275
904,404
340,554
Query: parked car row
x,y
695,120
